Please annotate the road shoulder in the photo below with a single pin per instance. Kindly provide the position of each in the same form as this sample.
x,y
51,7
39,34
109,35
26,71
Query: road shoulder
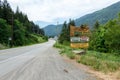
x,y
98,74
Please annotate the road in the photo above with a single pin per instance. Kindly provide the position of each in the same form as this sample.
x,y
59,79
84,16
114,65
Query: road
x,y
38,62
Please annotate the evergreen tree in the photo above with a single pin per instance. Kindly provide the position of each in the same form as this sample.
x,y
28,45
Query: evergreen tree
x,y
17,26
7,12
96,25
1,9
19,34
65,34
5,31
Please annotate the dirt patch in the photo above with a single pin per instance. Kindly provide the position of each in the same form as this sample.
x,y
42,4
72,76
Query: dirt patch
x,y
101,75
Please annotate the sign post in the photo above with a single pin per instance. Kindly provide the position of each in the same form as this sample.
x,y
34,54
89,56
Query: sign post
x,y
9,39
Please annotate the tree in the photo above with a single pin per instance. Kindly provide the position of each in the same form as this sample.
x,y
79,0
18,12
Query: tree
x,y
106,38
18,34
112,36
97,40
5,31
71,22
1,9
7,12
18,27
96,25
65,34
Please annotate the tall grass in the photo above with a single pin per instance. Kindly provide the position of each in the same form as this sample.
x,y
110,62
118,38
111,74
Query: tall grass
x,y
101,61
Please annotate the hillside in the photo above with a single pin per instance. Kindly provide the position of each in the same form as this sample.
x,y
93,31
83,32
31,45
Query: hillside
x,y
52,30
102,16
16,29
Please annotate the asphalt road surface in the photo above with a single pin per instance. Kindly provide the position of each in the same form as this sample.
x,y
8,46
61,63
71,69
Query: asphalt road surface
x,y
38,62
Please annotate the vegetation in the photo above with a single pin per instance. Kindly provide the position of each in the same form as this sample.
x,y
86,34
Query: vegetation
x,y
105,38
16,29
100,61
65,50
103,15
104,50
97,60
65,34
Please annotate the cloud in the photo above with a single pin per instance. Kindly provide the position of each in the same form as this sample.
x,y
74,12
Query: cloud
x,y
50,10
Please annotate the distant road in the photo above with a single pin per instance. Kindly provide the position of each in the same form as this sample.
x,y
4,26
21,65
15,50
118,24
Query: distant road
x,y
38,62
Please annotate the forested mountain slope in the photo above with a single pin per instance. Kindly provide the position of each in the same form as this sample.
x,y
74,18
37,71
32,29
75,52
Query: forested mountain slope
x,y
102,16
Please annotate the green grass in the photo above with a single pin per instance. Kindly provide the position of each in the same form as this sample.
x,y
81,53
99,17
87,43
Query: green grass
x,y
3,47
65,50
101,61
104,62
36,39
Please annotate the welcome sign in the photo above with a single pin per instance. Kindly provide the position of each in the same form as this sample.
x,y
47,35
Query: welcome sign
x,y
79,37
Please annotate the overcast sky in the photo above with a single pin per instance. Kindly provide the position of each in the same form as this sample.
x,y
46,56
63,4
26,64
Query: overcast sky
x,y
58,10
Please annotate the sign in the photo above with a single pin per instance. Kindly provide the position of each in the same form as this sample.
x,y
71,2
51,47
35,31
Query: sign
x,y
79,37
79,45
10,39
75,39
84,39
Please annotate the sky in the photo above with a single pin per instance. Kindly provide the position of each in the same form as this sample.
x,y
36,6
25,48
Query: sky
x,y
53,11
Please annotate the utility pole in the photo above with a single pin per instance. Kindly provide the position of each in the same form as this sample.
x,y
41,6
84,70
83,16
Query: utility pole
x,y
12,29
10,38
57,28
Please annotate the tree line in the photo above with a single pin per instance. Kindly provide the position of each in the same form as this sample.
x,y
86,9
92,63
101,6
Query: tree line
x,y
16,27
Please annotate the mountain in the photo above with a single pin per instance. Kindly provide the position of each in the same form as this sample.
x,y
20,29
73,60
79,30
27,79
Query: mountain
x,y
52,30
102,16
42,23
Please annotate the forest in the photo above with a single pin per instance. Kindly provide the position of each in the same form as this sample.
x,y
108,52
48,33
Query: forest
x,y
16,29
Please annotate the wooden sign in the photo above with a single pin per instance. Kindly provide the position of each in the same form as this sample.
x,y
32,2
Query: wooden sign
x,y
79,37
79,45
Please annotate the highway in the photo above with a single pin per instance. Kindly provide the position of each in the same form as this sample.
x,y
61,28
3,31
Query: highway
x,y
38,62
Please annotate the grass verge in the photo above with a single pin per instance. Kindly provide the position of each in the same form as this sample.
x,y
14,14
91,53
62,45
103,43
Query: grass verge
x,y
101,61
2,47
104,62
65,50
